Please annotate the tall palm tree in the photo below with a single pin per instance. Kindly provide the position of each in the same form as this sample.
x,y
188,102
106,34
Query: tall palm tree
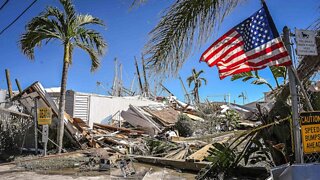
x,y
71,29
197,81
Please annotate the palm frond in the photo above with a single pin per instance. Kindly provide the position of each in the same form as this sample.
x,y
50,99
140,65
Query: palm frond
x,y
82,20
57,20
69,10
190,80
92,38
171,41
278,72
94,56
204,80
245,75
137,3
45,25
32,39
68,27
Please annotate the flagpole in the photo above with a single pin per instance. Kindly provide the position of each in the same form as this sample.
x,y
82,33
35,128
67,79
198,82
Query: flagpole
x,y
294,101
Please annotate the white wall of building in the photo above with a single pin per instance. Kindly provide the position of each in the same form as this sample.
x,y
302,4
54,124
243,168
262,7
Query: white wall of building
x,y
102,107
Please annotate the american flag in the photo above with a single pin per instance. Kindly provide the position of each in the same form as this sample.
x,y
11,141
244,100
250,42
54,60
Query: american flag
x,y
251,45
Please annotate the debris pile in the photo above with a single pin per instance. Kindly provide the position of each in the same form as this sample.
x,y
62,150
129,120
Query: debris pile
x,y
172,134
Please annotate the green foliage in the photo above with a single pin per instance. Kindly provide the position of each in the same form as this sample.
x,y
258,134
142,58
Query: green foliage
x,y
246,76
277,72
184,126
231,119
171,41
222,155
268,144
157,147
69,28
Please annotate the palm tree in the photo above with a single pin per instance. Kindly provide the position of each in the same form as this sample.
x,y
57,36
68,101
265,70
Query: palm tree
x,y
197,81
71,29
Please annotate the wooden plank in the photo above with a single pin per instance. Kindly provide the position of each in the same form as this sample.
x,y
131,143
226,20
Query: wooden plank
x,y
179,164
125,130
201,154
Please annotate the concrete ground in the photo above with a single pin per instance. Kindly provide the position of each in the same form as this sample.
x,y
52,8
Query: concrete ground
x,y
143,171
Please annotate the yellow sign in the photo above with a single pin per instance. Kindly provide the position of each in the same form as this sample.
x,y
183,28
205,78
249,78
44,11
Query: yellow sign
x,y
44,116
310,131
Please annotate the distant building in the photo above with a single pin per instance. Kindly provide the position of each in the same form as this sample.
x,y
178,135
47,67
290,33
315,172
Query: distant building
x,y
96,108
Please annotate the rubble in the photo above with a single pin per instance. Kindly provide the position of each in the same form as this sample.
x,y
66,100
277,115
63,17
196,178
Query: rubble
x,y
152,134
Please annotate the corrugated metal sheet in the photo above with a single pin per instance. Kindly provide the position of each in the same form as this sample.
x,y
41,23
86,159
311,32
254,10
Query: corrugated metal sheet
x,y
81,106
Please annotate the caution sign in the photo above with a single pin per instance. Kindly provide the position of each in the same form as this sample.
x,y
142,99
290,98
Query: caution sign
x,y
310,131
44,116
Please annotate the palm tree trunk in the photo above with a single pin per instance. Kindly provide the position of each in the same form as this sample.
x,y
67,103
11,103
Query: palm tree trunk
x,y
196,94
66,60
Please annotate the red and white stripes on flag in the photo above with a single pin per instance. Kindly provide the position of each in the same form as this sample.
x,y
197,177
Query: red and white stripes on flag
x,y
252,45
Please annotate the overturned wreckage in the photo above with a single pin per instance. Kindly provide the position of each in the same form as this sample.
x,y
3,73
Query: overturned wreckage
x,y
140,131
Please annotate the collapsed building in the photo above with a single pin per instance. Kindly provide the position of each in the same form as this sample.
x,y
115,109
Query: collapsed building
x,y
120,125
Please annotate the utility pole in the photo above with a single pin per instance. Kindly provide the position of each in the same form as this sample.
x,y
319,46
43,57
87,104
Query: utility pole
x,y
115,78
185,90
139,77
146,85
9,83
18,85
132,82
294,100
120,83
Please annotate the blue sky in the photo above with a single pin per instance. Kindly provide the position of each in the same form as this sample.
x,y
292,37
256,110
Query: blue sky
x,y
126,33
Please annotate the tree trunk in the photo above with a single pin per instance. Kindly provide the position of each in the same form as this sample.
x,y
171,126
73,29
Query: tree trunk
x,y
66,60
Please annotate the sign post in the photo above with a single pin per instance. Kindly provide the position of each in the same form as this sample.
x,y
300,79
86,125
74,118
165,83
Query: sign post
x,y
310,130
45,136
45,118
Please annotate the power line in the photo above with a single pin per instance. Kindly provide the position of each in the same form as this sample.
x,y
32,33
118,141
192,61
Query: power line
x,y
17,18
4,4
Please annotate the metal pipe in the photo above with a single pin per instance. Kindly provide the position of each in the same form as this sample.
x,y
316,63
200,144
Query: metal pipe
x,y
294,101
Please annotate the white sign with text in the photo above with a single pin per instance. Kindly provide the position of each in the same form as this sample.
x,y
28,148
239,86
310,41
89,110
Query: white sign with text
x,y
306,43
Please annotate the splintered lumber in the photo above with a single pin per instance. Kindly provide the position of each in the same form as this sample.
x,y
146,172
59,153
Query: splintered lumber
x,y
167,116
140,112
136,121
125,130
36,90
200,154
193,117
180,153
175,163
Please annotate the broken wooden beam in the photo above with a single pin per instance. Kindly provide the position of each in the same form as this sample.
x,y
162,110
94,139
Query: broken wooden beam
x,y
175,163
9,83
18,85
121,129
